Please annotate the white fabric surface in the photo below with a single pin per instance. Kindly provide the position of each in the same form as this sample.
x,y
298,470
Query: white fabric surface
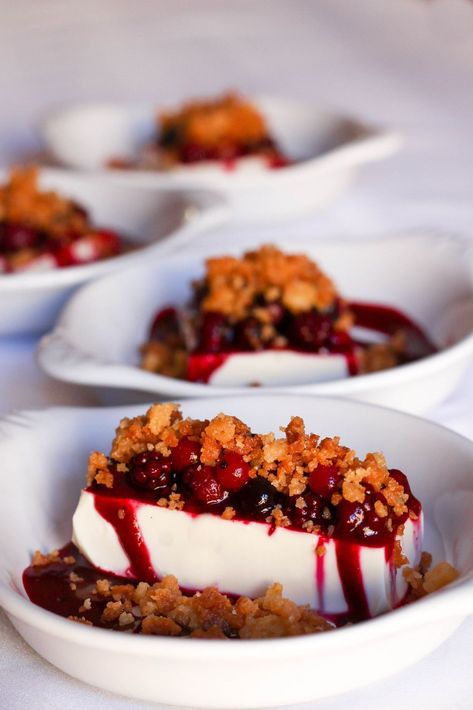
x,y
405,63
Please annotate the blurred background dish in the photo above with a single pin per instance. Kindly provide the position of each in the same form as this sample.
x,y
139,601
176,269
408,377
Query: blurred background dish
x,y
149,221
97,339
323,150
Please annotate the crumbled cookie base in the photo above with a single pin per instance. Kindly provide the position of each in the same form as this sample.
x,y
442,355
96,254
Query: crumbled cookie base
x,y
423,579
161,609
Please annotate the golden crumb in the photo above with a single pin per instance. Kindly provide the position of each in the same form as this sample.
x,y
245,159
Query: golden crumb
x,y
40,560
229,513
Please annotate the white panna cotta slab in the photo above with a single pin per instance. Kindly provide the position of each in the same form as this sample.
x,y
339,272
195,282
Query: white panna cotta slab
x,y
278,366
243,558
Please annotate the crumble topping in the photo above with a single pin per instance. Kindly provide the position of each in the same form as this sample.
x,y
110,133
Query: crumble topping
x,y
233,284
424,580
21,201
287,462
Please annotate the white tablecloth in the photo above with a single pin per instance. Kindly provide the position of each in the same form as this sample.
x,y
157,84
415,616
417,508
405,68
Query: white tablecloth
x,y
405,63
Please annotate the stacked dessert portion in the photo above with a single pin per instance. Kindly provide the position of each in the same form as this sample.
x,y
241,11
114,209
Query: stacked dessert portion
x,y
271,318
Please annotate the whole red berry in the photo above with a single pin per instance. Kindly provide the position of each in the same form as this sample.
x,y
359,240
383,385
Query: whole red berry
x,y
150,471
310,330
214,333
309,507
185,454
324,480
204,486
232,471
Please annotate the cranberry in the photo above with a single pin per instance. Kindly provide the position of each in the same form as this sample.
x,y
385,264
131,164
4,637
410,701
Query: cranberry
x,y
185,454
165,325
16,236
205,487
361,520
232,471
248,334
257,498
150,471
340,340
193,153
412,503
310,330
316,509
214,333
324,480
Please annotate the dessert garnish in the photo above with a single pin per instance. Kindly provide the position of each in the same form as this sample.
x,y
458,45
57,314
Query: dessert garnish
x,y
228,511
42,230
274,318
223,131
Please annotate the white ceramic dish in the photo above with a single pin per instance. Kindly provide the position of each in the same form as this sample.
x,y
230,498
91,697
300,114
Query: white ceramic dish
x,y
233,674
97,339
327,149
160,219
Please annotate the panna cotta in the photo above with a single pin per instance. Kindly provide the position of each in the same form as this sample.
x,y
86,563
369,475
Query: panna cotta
x,y
270,318
42,230
213,503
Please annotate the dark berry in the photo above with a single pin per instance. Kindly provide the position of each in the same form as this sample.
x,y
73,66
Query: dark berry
x,y
257,498
204,486
232,471
310,330
361,520
150,471
248,334
16,236
185,454
214,333
193,153
324,480
315,509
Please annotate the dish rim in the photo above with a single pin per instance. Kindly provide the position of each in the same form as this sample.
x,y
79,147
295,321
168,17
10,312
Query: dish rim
x,y
55,350
433,607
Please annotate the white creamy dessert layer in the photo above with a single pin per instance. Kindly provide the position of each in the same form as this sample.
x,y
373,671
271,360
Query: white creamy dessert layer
x,y
243,558
276,367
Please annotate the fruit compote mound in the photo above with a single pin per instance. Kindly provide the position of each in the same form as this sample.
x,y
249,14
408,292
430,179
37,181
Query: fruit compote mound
x,y
42,230
229,511
270,318
226,133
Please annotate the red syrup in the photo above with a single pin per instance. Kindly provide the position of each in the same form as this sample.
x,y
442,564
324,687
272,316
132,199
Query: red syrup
x,y
121,514
378,318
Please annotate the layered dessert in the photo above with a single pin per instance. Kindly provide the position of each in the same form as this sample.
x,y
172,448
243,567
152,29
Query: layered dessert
x,y
42,230
228,511
271,318
226,133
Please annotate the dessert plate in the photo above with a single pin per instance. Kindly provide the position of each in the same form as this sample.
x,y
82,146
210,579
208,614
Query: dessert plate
x,y
154,219
327,150
203,673
98,336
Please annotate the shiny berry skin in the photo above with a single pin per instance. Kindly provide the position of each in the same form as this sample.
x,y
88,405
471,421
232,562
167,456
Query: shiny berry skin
x,y
150,471
257,498
204,486
185,454
214,333
324,480
16,236
232,471
361,521
310,330
316,509
276,312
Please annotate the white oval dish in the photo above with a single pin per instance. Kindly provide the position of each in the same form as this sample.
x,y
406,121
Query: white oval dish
x,y
327,149
233,674
160,218
97,338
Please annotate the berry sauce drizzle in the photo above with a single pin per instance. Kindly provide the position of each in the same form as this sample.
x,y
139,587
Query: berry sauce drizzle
x,y
207,359
121,514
